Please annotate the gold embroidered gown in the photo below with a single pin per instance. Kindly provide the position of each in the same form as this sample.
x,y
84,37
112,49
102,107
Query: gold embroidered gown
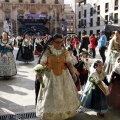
x,y
59,99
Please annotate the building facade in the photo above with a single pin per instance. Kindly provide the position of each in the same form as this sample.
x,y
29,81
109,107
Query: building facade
x,y
93,15
13,14
69,17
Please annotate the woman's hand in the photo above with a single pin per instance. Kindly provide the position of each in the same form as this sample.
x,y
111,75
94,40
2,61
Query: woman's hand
x,y
8,46
38,78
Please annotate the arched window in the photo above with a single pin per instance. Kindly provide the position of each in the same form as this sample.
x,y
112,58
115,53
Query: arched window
x,y
32,1
20,1
56,2
43,1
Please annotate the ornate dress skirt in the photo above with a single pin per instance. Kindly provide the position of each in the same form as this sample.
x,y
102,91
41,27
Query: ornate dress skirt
x,y
25,54
7,64
94,99
114,97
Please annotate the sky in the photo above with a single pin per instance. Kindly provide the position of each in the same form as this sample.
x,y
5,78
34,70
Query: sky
x,y
67,1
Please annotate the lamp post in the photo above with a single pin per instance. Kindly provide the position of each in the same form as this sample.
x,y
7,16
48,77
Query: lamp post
x,y
16,22
55,22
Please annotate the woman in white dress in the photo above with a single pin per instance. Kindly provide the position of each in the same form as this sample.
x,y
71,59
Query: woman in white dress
x,y
59,99
113,52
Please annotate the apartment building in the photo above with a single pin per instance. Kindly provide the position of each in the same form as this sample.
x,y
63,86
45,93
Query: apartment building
x,y
93,15
69,16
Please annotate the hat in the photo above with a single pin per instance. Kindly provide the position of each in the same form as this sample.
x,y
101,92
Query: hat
x,y
102,31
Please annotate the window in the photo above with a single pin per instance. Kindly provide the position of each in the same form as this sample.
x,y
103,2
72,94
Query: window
x,y
85,22
20,1
116,5
84,2
43,1
71,23
79,14
91,22
91,11
79,33
82,22
91,32
97,31
32,1
85,13
98,9
79,24
56,2
6,0
111,17
79,4
106,17
106,7
115,18
98,21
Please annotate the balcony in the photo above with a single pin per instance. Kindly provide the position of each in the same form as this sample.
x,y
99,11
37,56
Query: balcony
x,y
43,1
116,7
79,16
56,2
80,1
115,20
106,9
98,12
91,13
91,24
98,23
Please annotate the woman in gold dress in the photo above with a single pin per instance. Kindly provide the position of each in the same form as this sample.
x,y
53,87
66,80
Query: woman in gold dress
x,y
59,99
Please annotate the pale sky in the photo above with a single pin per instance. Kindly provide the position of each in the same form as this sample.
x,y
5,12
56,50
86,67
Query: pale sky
x,y
67,1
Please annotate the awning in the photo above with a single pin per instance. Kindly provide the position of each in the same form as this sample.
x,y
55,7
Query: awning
x,y
111,28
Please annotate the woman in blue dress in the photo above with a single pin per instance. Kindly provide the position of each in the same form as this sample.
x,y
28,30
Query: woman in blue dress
x,y
7,60
96,91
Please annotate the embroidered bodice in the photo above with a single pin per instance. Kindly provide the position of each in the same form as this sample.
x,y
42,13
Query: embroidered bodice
x,y
55,60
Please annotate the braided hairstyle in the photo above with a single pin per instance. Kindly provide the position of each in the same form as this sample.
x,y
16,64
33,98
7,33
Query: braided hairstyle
x,y
52,38
96,63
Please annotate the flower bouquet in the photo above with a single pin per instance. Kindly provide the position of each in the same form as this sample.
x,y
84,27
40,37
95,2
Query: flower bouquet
x,y
40,69
100,84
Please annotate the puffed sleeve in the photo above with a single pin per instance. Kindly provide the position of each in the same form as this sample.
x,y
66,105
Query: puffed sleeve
x,y
68,58
44,59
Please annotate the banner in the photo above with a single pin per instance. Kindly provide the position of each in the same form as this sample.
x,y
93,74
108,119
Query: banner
x,y
35,15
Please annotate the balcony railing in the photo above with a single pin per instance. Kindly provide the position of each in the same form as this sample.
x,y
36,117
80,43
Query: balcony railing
x,y
116,7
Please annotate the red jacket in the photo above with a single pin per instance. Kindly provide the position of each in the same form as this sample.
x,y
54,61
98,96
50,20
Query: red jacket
x,y
92,42
74,41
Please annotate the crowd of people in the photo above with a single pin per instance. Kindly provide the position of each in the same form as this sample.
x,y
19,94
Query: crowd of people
x,y
67,71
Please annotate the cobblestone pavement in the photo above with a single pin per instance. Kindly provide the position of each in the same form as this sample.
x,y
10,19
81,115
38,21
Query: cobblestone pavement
x,y
17,97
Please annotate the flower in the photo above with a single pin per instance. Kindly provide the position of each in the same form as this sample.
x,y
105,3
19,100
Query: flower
x,y
40,69
94,80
